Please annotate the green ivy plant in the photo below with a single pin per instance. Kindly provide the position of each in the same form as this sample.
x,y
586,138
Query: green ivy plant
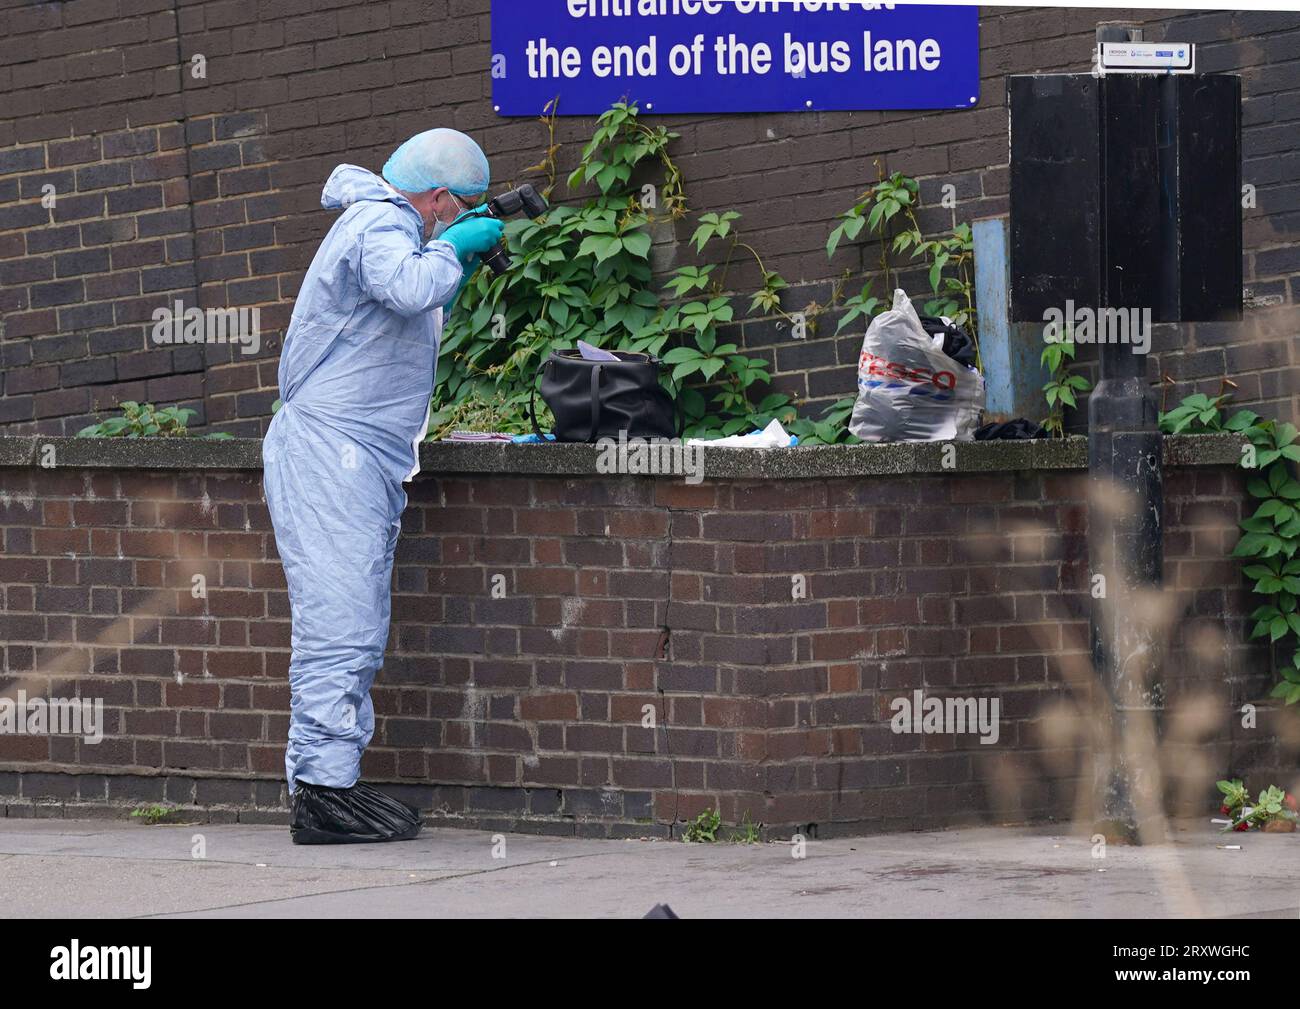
x,y
1199,414
704,828
950,258
735,375
483,412
583,273
144,420
152,814
747,831
832,429
1062,384
1271,536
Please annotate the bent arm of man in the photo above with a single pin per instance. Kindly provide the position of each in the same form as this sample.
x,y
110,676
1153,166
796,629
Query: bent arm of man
x,y
408,281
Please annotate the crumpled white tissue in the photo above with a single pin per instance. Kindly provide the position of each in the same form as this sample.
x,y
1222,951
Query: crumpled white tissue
x,y
772,436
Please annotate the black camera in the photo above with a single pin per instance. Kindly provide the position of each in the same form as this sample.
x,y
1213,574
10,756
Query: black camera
x,y
525,199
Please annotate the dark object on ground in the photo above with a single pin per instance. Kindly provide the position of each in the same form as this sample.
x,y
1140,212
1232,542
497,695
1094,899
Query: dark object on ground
x,y
358,815
659,911
957,343
1011,430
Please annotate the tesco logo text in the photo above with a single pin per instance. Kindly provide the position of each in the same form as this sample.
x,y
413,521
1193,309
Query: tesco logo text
x,y
870,364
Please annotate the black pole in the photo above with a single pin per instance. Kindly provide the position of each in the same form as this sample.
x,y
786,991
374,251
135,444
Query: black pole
x,y
1125,483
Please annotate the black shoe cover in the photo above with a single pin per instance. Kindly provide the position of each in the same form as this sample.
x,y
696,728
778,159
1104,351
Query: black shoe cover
x,y
358,815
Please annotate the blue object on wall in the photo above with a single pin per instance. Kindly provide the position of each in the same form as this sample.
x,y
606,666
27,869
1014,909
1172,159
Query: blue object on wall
x,y
1011,352
731,56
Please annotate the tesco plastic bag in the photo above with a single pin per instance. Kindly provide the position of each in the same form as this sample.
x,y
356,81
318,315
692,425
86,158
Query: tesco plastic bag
x,y
908,388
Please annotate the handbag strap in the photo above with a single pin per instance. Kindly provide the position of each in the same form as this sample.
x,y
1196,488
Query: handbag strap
x,y
595,400
679,418
596,369
532,400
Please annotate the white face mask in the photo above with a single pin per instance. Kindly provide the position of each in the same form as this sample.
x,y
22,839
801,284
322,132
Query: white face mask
x,y
439,225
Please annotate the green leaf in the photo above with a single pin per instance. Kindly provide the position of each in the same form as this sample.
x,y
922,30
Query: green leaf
x,y
637,243
833,242
712,366
848,317
1240,420
611,248
592,245
1252,545
873,219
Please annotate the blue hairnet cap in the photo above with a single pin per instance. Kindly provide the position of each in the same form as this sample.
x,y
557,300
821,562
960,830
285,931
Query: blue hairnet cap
x,y
437,158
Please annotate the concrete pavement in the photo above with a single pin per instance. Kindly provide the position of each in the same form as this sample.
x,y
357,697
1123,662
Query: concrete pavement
x,y
69,868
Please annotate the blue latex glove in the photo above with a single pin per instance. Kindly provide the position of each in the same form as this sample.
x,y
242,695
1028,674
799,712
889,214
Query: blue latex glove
x,y
472,234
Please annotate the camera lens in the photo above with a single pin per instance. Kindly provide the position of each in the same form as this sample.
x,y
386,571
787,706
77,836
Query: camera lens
x,y
497,259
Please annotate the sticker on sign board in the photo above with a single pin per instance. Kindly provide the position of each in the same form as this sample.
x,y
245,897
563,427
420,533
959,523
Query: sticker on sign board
x,y
684,56
1148,57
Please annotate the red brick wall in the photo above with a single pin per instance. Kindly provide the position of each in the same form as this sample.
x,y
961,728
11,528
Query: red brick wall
x,y
526,710
208,189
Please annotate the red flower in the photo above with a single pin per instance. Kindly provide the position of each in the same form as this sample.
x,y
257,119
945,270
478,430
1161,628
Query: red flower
x,y
1224,810
1289,802
1243,825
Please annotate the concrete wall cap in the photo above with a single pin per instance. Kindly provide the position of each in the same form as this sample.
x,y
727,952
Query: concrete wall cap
x,y
809,463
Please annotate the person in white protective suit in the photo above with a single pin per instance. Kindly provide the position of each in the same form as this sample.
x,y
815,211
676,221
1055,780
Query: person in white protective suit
x,y
356,376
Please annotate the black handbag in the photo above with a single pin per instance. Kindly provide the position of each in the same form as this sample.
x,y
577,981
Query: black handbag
x,y
598,399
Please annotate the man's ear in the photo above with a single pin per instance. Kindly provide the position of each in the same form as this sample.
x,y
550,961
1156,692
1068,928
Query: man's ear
x,y
425,203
